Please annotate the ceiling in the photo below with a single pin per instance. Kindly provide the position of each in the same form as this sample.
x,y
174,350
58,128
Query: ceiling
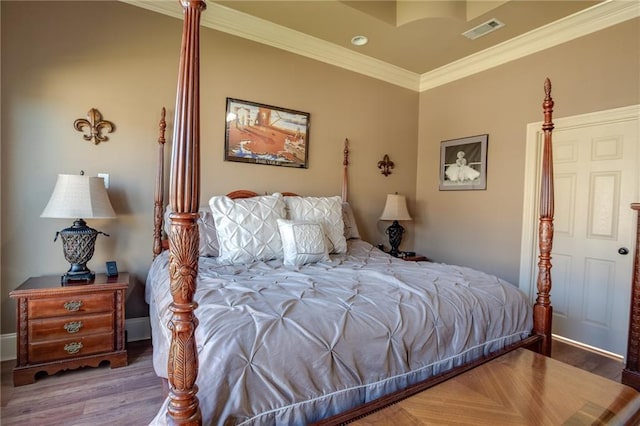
x,y
431,39
416,44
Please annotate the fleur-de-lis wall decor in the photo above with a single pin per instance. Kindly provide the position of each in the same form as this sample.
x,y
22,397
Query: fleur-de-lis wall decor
x,y
385,165
95,125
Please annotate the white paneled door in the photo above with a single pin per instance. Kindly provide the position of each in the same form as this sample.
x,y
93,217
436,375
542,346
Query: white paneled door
x,y
597,177
595,182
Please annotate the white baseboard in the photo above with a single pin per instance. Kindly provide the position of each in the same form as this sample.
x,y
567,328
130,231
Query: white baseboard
x,y
137,329
7,346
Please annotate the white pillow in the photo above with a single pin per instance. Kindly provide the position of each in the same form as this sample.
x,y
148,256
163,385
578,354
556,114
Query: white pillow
x,y
302,242
247,228
350,226
206,229
324,210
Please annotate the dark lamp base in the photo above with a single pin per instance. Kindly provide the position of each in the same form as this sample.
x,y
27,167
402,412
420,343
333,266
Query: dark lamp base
x,y
78,243
395,232
84,277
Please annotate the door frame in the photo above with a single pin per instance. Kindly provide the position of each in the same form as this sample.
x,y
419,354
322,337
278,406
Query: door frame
x,y
533,155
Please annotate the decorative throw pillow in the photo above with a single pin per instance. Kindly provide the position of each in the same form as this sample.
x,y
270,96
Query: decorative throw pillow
x,y
350,226
324,210
206,229
302,242
247,228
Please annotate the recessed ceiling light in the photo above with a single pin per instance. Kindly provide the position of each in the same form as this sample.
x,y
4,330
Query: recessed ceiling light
x,y
359,40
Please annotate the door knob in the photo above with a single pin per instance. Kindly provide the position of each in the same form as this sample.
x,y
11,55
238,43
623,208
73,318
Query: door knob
x,y
623,250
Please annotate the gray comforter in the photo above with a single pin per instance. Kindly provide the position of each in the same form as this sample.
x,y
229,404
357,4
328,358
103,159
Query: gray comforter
x,y
291,345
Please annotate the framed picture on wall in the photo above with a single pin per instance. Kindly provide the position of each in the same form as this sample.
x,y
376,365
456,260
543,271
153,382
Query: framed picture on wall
x,y
264,134
463,163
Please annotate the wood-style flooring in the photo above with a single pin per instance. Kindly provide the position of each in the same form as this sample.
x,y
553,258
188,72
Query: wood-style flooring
x,y
131,395
128,395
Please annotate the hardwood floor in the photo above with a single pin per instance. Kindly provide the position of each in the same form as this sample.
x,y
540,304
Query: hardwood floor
x,y
586,360
131,395
128,395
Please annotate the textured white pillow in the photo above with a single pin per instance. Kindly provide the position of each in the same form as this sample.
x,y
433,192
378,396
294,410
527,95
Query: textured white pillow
x,y
206,229
324,210
302,242
350,226
247,228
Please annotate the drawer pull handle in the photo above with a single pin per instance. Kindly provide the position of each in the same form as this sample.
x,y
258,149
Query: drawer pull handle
x,y
73,347
73,327
73,305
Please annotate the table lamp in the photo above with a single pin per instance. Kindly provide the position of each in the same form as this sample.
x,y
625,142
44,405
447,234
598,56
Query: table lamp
x,y
77,197
395,209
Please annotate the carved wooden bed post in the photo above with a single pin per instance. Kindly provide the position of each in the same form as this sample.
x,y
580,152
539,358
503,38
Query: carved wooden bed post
x,y
542,308
184,198
631,372
159,195
345,167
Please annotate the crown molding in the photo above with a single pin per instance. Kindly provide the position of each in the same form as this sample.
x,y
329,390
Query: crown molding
x,y
595,18
259,30
582,23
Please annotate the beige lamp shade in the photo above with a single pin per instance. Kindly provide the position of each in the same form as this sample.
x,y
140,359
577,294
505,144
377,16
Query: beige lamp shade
x,y
79,196
395,208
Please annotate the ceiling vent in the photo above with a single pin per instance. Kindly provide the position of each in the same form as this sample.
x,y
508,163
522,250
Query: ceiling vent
x,y
483,29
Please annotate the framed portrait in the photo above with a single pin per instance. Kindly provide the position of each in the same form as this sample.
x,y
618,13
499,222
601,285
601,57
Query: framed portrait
x,y
463,163
264,134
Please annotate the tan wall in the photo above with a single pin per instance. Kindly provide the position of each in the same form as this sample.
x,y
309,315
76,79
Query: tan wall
x,y
59,59
483,229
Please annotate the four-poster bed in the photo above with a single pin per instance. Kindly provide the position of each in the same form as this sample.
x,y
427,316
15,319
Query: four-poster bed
x,y
514,324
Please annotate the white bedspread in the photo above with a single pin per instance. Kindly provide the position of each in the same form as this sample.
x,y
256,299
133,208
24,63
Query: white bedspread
x,y
291,345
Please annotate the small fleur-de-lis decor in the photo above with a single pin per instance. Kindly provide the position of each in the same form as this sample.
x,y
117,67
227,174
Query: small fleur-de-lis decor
x,y
95,125
386,165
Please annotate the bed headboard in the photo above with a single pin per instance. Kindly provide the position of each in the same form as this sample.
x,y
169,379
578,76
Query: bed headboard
x,y
159,242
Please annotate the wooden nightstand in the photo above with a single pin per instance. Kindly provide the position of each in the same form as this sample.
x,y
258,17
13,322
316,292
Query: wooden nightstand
x,y
416,258
67,327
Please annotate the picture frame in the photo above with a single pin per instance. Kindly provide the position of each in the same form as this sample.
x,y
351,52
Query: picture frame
x,y
264,134
463,163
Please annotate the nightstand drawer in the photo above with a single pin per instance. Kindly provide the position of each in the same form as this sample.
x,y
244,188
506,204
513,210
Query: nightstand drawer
x,y
70,348
69,327
70,305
